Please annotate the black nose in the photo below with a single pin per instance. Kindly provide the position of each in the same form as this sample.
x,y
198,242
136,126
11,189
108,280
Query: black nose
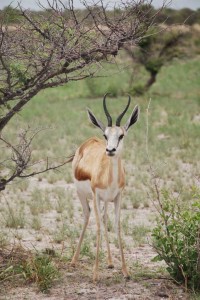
x,y
111,150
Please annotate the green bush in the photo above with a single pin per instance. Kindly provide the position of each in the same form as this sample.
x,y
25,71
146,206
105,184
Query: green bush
x,y
176,238
33,267
93,87
137,90
154,64
98,88
12,15
42,270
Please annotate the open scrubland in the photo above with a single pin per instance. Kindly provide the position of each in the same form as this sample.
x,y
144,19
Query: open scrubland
x,y
41,217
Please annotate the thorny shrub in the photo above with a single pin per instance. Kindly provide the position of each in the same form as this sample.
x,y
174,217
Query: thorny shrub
x,y
176,237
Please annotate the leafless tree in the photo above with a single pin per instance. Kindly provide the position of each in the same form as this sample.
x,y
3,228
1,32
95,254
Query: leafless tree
x,y
59,45
19,164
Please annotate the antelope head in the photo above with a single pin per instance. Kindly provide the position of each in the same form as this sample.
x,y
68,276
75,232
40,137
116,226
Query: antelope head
x,y
114,134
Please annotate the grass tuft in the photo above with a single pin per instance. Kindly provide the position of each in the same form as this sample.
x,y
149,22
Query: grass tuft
x,y
31,267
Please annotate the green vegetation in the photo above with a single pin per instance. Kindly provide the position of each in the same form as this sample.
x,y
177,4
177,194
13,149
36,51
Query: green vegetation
x,y
41,270
38,268
11,14
183,16
176,237
167,15
47,207
160,48
161,158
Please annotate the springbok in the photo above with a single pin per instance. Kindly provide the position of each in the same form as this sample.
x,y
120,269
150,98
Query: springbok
x,y
99,174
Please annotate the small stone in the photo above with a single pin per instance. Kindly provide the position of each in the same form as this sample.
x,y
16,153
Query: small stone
x,y
162,295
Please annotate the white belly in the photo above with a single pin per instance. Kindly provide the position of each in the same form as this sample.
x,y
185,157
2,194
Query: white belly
x,y
109,194
83,187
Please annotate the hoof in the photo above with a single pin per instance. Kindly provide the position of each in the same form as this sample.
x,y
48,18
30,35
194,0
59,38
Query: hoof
x,y
127,277
95,280
73,264
110,266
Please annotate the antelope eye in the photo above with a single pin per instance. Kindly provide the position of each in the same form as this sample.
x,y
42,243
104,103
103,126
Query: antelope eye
x,y
105,137
121,137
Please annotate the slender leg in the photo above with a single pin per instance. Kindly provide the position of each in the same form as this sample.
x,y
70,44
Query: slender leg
x,y
105,221
86,211
117,204
98,223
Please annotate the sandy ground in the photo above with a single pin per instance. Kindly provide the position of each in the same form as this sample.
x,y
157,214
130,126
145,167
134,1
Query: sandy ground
x,y
148,280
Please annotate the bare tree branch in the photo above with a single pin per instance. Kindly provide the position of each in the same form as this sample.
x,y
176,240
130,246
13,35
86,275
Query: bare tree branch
x,y
20,161
62,44
51,48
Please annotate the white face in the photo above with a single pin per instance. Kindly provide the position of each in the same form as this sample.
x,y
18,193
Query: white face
x,y
114,140
114,135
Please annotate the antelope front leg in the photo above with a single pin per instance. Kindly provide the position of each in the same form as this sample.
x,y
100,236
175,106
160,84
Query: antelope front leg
x,y
98,224
117,204
105,221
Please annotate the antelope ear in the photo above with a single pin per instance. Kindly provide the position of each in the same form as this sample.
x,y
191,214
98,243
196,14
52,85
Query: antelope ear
x,y
95,121
133,118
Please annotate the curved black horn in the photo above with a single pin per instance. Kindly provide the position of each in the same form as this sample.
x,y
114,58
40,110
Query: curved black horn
x,y
106,111
124,111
